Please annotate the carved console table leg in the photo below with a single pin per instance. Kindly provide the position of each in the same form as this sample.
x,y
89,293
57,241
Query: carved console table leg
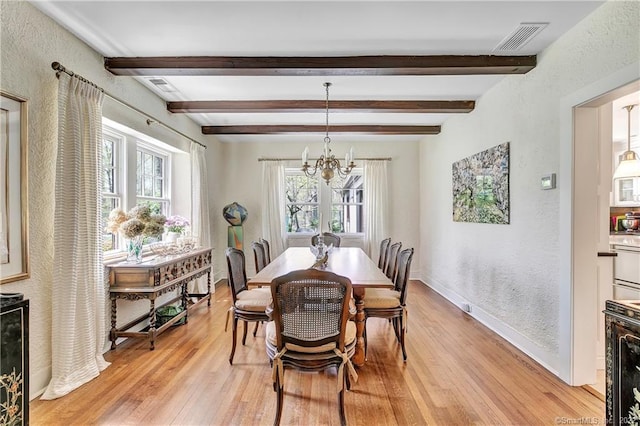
x,y
209,287
185,305
112,333
152,324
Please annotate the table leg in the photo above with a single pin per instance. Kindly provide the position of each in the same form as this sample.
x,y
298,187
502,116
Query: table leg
x,y
152,324
112,333
209,287
358,356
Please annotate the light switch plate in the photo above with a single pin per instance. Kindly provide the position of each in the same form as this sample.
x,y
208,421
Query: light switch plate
x,y
548,181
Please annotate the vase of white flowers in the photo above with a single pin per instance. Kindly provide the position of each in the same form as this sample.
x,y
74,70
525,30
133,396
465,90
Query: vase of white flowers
x,y
135,225
175,226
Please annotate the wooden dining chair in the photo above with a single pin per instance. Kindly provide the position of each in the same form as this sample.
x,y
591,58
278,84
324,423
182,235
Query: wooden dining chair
x,y
382,256
259,255
248,305
391,303
328,237
392,260
310,330
267,249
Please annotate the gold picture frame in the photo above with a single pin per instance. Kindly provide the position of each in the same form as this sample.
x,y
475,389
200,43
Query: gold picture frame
x,y
14,208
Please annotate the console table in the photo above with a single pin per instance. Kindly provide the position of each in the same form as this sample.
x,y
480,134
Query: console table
x,y
152,278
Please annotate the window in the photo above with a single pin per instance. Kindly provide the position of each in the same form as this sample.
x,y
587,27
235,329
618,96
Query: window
x,y
303,201
151,186
308,199
111,188
347,205
136,170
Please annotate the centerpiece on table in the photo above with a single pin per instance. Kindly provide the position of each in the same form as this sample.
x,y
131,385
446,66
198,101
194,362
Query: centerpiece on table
x,y
176,226
135,225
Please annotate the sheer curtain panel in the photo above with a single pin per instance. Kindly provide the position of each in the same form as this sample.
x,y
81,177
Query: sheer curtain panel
x,y
199,207
376,201
79,293
273,206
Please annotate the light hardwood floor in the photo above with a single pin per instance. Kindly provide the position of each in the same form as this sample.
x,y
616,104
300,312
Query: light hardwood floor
x,y
458,372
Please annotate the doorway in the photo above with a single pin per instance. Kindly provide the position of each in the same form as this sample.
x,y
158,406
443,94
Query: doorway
x,y
581,205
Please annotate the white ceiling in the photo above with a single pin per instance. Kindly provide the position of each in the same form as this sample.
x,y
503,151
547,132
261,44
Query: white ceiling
x,y
314,28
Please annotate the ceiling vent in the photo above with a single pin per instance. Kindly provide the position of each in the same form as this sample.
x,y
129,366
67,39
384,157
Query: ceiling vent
x,y
521,36
162,84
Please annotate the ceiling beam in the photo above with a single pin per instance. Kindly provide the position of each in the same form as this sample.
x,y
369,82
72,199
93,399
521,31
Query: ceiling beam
x,y
333,65
425,107
283,129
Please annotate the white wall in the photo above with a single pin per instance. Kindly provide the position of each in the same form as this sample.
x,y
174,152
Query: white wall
x,y
510,274
30,43
243,176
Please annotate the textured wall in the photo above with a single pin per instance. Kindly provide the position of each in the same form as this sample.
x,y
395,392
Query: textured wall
x,y
30,43
511,272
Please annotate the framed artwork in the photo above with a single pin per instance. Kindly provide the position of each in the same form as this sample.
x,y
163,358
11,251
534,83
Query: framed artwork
x,y
14,211
481,187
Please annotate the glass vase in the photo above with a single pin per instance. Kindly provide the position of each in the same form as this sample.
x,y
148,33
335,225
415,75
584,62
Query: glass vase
x,y
134,249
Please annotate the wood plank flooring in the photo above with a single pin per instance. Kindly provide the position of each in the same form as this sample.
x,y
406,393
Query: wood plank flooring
x,y
458,372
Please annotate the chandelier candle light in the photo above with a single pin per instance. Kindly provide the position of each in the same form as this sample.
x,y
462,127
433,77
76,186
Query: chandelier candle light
x,y
328,164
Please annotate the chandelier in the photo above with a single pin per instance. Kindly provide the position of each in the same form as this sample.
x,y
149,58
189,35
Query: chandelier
x,y
328,164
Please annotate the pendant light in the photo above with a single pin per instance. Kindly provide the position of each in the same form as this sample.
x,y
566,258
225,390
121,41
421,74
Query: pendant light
x,y
630,164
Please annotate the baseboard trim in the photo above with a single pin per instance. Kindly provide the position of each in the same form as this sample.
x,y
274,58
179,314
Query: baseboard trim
x,y
545,358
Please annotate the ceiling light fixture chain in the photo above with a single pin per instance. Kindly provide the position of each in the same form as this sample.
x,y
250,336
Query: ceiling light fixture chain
x,y
328,164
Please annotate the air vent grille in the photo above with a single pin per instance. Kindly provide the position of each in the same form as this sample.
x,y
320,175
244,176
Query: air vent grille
x,y
161,84
520,36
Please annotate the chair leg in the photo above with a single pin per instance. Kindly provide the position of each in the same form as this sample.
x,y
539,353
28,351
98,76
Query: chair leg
x,y
343,417
244,333
401,338
255,330
280,396
234,330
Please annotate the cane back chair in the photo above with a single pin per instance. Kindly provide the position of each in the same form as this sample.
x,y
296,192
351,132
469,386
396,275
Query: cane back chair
x,y
310,330
391,304
248,305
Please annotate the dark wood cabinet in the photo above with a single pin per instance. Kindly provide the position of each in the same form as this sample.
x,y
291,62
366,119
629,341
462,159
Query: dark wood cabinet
x,y
622,319
14,362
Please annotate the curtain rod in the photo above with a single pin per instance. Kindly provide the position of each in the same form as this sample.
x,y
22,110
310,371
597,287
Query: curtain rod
x,y
150,119
293,159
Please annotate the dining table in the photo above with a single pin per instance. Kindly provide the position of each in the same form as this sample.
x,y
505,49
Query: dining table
x,y
351,262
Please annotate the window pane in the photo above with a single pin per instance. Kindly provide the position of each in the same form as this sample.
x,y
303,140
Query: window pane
x,y
302,218
108,184
109,240
159,166
157,190
148,186
107,153
148,163
302,197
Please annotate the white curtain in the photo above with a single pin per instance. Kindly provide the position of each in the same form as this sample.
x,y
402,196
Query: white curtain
x,y
200,226
78,290
273,206
376,201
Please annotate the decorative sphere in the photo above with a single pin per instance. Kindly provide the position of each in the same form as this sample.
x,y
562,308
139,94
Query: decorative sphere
x,y
234,213
327,174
